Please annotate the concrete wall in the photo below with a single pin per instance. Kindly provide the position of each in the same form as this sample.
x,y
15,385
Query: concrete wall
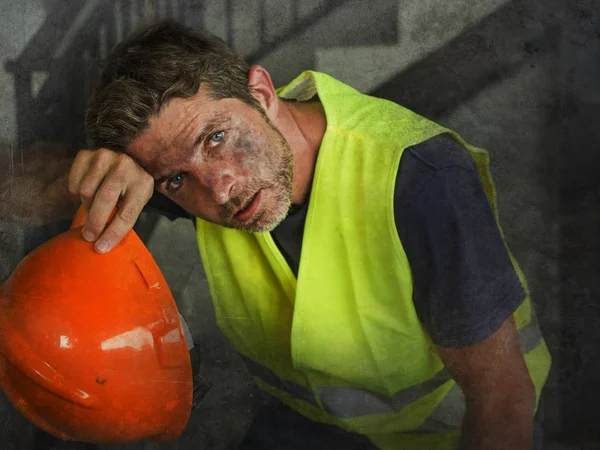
x,y
519,78
18,25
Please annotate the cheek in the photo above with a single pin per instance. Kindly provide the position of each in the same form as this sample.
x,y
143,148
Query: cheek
x,y
195,200
248,152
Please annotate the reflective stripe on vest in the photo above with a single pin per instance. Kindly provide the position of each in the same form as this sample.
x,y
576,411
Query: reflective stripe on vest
x,y
345,402
269,376
530,335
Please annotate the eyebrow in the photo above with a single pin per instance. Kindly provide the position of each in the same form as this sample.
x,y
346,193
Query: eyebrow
x,y
204,132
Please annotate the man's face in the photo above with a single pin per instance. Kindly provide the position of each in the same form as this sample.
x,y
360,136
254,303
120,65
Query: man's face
x,y
221,160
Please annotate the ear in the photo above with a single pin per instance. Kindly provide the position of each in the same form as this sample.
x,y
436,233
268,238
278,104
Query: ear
x,y
261,88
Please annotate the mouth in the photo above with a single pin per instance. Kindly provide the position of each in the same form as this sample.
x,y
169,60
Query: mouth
x,y
247,212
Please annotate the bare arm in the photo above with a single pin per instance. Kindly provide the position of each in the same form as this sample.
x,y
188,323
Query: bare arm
x,y
34,189
499,394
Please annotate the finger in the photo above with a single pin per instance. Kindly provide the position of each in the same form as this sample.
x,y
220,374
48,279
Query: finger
x,y
129,207
122,223
79,169
98,168
103,204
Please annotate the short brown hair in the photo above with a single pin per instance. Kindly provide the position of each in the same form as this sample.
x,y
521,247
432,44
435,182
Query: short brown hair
x,y
155,65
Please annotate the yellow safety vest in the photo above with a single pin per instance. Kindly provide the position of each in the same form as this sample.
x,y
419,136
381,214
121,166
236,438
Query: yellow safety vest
x,y
342,343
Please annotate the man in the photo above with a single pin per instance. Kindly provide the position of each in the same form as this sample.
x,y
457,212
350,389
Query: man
x,y
351,246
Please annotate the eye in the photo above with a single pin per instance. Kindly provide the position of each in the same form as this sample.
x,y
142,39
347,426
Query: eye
x,y
175,183
217,137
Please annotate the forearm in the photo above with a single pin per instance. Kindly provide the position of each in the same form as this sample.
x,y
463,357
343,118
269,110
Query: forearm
x,y
40,196
500,425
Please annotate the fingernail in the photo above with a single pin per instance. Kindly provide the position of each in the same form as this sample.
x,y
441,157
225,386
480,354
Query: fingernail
x,y
88,235
102,246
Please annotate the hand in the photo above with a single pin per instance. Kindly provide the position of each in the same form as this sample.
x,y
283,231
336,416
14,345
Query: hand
x,y
104,179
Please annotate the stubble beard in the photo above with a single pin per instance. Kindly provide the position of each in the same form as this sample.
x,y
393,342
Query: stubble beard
x,y
277,194
277,204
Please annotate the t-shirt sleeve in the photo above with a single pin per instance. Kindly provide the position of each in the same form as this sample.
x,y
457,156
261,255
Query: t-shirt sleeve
x,y
465,286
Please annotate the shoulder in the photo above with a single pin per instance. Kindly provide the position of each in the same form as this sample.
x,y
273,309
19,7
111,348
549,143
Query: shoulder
x,y
440,152
421,163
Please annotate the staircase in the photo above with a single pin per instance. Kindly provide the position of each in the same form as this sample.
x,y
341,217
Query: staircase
x,y
55,74
423,27
446,53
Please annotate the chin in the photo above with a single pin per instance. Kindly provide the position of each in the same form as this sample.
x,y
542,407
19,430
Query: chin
x,y
267,219
263,223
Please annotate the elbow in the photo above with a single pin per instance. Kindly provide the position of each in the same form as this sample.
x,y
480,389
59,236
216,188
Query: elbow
x,y
520,403
516,400
525,399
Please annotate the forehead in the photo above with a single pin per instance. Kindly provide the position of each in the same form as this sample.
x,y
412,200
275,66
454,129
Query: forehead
x,y
177,125
179,114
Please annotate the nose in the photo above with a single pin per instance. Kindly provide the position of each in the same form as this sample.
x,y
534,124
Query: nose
x,y
220,186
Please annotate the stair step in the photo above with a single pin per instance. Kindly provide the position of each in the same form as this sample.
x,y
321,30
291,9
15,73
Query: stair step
x,y
353,22
423,27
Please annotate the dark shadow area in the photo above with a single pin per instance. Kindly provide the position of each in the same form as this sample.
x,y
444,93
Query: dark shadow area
x,y
66,50
37,57
492,51
580,221
299,26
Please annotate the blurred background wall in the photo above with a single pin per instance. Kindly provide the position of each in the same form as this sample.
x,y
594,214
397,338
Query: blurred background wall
x,y
517,77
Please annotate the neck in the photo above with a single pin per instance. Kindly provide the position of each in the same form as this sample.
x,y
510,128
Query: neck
x,y
303,125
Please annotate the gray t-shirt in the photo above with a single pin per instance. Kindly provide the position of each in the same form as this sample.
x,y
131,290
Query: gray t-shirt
x,y
465,286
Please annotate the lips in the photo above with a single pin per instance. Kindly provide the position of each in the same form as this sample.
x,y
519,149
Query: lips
x,y
249,209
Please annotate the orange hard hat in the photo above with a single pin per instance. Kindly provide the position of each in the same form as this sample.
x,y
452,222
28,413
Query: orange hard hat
x,y
92,347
